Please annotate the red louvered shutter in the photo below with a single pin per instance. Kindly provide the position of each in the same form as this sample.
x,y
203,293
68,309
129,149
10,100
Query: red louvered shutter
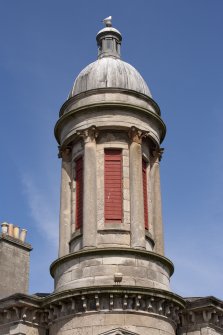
x,y
113,185
145,197
79,192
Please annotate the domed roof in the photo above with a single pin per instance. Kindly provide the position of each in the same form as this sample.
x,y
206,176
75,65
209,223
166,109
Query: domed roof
x,y
109,72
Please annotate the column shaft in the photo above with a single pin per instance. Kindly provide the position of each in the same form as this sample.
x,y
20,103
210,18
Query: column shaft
x,y
157,207
65,207
136,196
90,196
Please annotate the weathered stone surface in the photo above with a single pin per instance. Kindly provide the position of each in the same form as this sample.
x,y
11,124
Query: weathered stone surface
x,y
136,200
14,266
114,119
109,72
156,206
136,270
65,203
90,195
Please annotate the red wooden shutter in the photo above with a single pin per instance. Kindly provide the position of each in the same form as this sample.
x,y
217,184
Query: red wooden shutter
x,y
145,197
113,185
79,192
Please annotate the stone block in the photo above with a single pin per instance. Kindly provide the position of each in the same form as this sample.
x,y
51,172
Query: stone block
x,y
76,274
104,280
65,278
140,261
119,260
126,205
126,183
132,271
125,153
113,239
100,209
144,330
164,279
153,275
144,282
161,286
81,331
127,217
148,321
99,270
126,194
83,282
125,161
128,281
20,328
86,261
115,318
126,172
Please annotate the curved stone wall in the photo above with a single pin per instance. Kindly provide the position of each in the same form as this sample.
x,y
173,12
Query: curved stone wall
x,y
99,268
114,323
105,118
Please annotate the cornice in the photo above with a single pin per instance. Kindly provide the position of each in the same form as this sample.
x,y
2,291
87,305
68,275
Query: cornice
x,y
115,289
113,251
108,105
108,90
15,241
111,299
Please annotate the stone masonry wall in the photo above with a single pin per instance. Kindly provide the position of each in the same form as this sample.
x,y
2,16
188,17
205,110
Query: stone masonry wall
x,y
14,268
114,322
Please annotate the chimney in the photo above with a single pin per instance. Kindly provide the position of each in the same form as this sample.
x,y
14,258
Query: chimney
x,y
14,260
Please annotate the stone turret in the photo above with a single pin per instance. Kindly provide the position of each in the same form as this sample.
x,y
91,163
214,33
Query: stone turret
x,y
111,276
111,237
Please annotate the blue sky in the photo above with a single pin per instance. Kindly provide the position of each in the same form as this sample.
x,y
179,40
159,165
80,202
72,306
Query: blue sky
x,y
177,47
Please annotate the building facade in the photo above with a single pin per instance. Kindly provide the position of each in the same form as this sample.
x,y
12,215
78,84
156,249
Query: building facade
x,y
111,276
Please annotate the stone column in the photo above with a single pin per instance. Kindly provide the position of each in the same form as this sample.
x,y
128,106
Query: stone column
x,y
90,188
156,202
65,202
136,189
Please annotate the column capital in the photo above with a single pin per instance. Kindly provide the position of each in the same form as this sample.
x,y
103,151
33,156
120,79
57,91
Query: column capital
x,y
158,153
89,134
64,153
136,135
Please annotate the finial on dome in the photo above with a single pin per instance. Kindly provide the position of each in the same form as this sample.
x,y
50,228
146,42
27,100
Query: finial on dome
x,y
108,21
108,40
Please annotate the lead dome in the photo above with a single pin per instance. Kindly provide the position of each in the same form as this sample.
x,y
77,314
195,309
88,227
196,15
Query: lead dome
x,y
109,71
